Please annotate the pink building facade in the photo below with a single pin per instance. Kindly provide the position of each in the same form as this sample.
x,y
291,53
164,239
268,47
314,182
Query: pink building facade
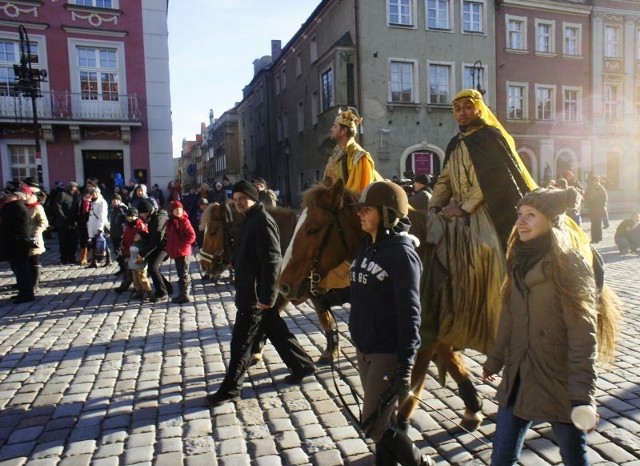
x,y
105,106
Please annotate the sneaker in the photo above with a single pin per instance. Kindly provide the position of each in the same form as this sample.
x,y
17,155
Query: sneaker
x,y
220,398
296,379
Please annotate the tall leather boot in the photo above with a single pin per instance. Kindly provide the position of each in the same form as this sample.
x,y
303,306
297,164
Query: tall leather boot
x,y
83,256
403,449
384,457
35,276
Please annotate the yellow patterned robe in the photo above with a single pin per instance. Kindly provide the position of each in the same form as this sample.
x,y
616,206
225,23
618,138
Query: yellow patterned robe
x,y
469,303
360,165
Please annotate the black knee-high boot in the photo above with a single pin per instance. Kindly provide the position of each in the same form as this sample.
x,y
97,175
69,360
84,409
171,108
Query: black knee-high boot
x,y
403,449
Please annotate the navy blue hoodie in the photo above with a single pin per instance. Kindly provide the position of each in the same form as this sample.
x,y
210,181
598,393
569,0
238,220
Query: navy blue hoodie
x,y
385,298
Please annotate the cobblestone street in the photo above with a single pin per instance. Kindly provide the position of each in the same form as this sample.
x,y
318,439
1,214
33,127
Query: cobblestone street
x,y
92,377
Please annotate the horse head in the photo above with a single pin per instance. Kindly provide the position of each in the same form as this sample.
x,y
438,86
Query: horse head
x,y
219,224
328,233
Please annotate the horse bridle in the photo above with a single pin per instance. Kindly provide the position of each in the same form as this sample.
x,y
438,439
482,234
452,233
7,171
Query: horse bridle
x,y
224,256
314,277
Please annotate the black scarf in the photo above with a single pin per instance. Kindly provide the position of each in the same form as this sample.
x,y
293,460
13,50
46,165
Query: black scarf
x,y
526,255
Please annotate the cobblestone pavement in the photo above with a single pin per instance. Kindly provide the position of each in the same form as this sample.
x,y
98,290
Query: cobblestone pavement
x,y
88,376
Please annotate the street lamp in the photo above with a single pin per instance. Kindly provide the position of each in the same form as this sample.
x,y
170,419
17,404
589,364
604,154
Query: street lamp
x,y
28,84
476,73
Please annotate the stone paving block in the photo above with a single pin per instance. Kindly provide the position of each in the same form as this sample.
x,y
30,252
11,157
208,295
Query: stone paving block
x,y
45,450
173,458
16,450
138,454
294,456
79,460
198,427
168,445
272,460
200,446
351,447
52,461
109,450
109,461
327,458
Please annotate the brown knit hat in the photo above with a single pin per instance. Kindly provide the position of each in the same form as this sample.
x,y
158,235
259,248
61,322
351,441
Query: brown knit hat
x,y
551,202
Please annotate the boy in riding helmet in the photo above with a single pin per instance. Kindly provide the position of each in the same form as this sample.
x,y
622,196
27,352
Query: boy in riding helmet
x,y
385,318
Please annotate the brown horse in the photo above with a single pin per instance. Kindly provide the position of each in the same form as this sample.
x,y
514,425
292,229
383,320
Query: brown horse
x,y
221,225
328,234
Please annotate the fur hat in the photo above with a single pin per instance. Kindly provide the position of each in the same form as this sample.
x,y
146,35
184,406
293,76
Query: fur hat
x,y
243,186
551,202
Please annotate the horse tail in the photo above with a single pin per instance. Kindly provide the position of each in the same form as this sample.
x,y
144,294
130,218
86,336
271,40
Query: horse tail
x,y
607,324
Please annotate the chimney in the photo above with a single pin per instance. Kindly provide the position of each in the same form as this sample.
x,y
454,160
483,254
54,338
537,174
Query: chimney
x,y
276,48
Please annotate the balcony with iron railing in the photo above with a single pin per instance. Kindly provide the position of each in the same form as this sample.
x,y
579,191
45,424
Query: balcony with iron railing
x,y
72,107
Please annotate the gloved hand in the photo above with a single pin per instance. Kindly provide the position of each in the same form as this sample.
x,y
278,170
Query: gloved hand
x,y
400,384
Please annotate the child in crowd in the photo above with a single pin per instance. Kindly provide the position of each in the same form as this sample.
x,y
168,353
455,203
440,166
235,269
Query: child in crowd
x,y
133,224
180,236
138,267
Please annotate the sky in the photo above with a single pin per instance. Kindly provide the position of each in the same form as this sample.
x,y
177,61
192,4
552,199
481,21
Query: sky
x,y
212,46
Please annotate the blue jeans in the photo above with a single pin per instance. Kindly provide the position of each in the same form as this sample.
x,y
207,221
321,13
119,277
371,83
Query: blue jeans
x,y
511,431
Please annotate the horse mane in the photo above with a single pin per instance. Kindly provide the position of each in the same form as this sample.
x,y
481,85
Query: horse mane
x,y
311,197
206,216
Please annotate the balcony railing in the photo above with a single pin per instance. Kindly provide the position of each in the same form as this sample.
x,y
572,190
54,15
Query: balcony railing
x,y
69,106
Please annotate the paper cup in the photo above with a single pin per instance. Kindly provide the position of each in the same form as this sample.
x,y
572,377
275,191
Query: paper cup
x,y
584,417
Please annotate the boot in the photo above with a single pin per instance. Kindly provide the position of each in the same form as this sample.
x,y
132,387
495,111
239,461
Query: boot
x,y
83,256
35,276
384,457
181,299
403,449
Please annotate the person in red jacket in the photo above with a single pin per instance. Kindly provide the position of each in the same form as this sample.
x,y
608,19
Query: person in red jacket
x,y
180,236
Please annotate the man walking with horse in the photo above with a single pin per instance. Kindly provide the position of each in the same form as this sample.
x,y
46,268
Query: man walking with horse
x,y
256,262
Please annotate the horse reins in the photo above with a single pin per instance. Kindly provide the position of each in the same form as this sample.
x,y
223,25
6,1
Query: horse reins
x,y
314,277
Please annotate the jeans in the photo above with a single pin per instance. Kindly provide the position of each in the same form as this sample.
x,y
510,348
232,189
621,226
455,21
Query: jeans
x,y
511,431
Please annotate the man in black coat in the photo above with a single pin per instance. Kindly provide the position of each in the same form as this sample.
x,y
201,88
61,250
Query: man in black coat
x,y
65,220
256,262
153,250
17,243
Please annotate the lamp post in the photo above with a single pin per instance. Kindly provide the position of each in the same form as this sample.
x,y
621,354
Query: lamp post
x,y
476,72
28,84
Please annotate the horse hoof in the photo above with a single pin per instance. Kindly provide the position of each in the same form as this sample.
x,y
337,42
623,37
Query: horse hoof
x,y
327,357
256,358
471,421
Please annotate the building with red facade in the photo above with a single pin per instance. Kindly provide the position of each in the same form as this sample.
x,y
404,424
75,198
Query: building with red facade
x,y
104,107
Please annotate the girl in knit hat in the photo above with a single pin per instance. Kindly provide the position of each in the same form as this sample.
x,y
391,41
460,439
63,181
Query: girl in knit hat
x,y
558,321
180,236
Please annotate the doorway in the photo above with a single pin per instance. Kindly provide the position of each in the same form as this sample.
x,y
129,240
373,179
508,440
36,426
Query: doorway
x,y
103,165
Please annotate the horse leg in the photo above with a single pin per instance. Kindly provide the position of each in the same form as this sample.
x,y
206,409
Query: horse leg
x,y
330,328
454,364
418,375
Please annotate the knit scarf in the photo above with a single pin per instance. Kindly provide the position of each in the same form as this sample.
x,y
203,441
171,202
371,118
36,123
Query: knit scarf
x,y
526,255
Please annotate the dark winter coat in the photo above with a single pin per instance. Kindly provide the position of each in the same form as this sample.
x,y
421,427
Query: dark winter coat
x,y
65,211
180,236
385,298
256,259
117,219
156,223
14,231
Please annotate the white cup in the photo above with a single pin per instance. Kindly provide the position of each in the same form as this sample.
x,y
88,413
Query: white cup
x,y
584,417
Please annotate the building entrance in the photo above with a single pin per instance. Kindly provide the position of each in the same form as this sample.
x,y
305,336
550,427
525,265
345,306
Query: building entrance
x,y
103,165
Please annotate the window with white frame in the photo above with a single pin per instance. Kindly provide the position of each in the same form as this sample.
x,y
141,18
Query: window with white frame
x,y
472,77
439,14
612,44
98,73
612,101
440,83
313,49
517,108
326,82
472,16
9,56
516,32
571,103
300,116
400,12
315,107
545,102
572,39
97,3
402,81
298,64
23,161
545,33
